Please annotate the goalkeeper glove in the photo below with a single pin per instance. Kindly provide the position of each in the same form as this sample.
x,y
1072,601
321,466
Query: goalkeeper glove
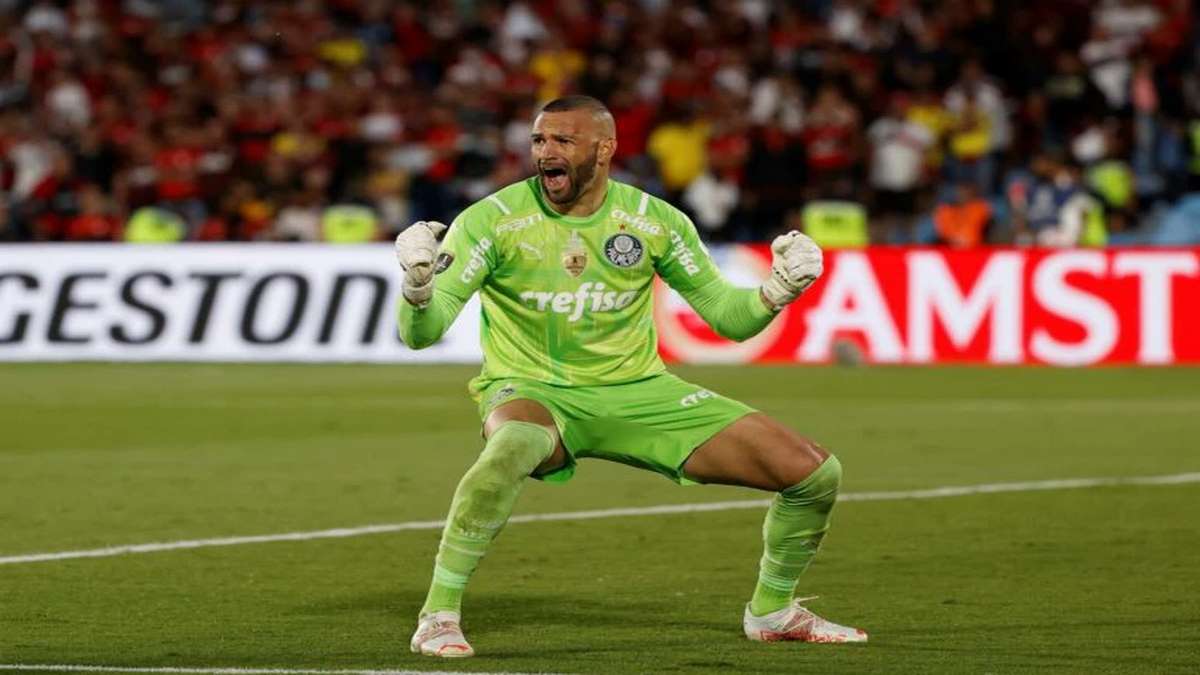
x,y
417,249
796,262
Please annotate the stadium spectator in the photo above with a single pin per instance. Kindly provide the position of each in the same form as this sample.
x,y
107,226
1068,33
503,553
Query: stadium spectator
x,y
300,219
224,113
94,221
1080,222
964,221
899,148
830,137
680,147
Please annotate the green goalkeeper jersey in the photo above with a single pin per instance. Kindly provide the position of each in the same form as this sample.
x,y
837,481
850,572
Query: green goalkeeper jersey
x,y
569,300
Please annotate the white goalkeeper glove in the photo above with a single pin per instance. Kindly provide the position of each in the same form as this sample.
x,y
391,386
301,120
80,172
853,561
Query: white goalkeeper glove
x,y
417,250
796,262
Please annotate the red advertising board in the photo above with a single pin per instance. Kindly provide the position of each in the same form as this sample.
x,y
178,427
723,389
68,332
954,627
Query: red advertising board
x,y
922,305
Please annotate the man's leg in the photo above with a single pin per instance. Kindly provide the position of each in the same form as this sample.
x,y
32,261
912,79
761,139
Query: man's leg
x,y
756,451
521,440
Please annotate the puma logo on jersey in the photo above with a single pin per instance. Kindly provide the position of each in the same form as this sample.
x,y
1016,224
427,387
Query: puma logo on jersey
x,y
475,262
588,297
519,223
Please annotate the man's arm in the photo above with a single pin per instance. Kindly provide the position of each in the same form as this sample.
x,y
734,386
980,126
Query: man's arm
x,y
459,267
423,326
733,312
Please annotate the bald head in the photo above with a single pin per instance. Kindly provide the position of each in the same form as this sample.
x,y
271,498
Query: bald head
x,y
595,109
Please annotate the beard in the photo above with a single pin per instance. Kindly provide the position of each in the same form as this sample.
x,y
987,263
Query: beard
x,y
578,177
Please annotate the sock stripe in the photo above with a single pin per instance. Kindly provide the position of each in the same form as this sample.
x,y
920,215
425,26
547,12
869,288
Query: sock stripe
x,y
780,583
768,560
450,579
477,553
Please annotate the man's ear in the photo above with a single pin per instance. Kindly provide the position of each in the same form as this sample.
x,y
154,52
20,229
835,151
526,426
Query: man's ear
x,y
607,148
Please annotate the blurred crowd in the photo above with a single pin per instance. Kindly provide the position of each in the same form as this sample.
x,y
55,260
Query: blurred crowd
x,y
964,122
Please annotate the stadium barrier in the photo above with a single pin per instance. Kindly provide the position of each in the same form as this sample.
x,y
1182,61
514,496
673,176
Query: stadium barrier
x,y
311,302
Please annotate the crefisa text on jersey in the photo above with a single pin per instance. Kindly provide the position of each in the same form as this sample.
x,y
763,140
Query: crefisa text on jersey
x,y
588,297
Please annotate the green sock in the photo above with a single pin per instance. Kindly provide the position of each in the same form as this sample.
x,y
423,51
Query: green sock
x,y
792,532
481,505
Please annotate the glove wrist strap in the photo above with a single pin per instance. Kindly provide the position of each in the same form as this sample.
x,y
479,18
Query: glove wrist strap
x,y
418,296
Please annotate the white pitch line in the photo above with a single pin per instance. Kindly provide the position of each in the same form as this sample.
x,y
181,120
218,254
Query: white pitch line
x,y
1027,486
223,671
662,509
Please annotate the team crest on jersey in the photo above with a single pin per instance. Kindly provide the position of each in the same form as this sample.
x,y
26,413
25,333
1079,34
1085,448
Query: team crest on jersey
x,y
444,260
623,250
574,255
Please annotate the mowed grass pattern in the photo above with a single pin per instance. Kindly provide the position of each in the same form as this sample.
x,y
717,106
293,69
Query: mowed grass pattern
x,y
1092,580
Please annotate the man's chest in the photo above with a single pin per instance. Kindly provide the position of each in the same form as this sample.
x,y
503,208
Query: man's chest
x,y
617,251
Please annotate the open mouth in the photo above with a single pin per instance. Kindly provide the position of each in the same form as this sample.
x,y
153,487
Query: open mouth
x,y
555,178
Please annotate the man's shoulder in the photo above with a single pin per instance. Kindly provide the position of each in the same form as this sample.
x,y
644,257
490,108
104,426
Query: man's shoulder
x,y
510,202
515,198
637,203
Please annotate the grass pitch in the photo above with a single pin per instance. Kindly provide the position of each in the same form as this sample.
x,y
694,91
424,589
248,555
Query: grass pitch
x,y
1089,580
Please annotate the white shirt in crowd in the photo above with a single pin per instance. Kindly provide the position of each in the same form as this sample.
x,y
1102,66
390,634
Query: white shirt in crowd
x,y
1108,61
898,153
711,200
301,223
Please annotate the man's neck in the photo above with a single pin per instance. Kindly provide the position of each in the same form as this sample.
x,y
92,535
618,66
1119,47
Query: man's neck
x,y
587,204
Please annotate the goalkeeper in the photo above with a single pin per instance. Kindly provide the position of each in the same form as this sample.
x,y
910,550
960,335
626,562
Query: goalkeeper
x,y
564,263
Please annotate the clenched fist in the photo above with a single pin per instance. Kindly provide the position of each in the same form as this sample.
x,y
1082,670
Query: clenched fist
x,y
417,250
796,262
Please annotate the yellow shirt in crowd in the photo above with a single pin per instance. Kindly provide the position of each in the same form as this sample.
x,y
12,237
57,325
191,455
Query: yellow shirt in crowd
x,y
681,151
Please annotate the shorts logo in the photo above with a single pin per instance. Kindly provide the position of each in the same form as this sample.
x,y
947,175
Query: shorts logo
x,y
693,399
623,250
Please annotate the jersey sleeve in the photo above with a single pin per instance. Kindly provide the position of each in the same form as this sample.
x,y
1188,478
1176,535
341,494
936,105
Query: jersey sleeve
x,y
686,263
470,251
733,312
468,254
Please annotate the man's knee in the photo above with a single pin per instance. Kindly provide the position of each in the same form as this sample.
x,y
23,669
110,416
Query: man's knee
x,y
515,448
829,473
819,486
796,459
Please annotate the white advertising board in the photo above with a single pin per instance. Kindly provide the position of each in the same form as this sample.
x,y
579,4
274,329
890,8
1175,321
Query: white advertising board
x,y
210,302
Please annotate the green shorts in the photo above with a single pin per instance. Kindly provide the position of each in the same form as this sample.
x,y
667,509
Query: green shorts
x,y
652,424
